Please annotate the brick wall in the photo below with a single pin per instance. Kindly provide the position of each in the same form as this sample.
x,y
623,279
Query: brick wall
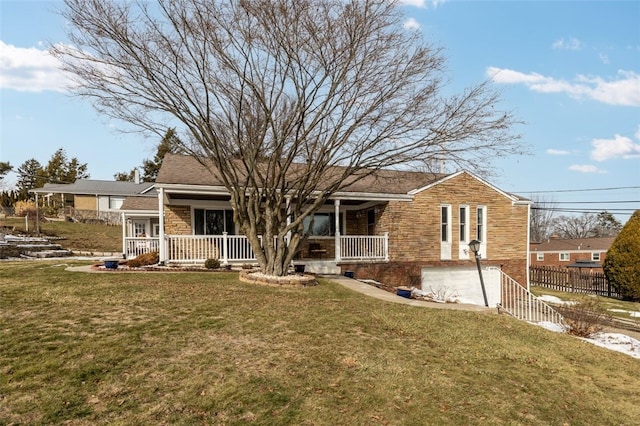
x,y
553,258
177,220
414,227
85,202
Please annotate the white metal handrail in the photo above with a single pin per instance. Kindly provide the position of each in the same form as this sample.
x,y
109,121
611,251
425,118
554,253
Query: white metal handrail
x,y
522,304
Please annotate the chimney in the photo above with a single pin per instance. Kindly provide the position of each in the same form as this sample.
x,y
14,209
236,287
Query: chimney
x,y
136,175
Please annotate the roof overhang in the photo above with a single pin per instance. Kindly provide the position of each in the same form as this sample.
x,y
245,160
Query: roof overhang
x,y
200,190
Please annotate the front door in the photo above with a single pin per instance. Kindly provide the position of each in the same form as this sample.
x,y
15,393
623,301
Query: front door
x,y
139,228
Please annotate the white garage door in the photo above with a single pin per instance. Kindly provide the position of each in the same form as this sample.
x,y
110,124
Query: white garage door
x,y
462,283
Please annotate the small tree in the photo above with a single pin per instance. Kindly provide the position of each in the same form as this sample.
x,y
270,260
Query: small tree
x,y
30,176
622,264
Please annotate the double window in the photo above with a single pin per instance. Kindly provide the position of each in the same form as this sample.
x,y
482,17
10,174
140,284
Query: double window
x,y
324,225
213,222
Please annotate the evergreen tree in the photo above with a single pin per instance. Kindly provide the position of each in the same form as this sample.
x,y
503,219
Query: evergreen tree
x,y
5,168
125,177
607,225
61,170
622,264
30,176
170,143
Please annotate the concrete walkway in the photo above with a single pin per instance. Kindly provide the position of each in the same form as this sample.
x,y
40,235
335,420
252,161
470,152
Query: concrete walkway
x,y
381,294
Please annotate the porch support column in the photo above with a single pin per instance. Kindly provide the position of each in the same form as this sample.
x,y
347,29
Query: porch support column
x,y
124,235
336,205
162,244
37,216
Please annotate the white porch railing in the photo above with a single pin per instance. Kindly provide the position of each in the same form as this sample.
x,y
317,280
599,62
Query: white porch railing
x,y
364,247
236,248
135,246
519,302
198,248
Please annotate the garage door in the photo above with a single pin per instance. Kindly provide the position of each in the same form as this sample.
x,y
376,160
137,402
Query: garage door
x,y
462,283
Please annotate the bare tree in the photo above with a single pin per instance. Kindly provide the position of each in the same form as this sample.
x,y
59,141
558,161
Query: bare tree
x,y
288,101
582,226
541,220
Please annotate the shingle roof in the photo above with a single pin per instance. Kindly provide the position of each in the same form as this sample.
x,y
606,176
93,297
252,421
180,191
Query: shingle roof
x,y
95,187
186,170
140,203
584,244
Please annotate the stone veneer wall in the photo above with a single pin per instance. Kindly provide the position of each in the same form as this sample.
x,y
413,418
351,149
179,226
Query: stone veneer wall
x,y
177,220
414,231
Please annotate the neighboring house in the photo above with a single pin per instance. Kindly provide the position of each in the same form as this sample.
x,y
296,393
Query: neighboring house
x,y
575,252
401,228
92,199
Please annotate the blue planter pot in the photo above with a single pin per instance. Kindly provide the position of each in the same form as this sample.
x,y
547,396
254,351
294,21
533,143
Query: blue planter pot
x,y
111,264
404,293
349,274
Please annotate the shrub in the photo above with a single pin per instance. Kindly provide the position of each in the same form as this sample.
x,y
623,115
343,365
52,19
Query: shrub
x,y
144,260
622,264
212,264
586,317
23,208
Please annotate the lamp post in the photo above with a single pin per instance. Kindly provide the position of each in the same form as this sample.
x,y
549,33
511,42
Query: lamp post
x,y
474,246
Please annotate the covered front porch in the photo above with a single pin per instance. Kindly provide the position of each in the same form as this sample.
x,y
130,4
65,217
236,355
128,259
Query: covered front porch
x,y
236,249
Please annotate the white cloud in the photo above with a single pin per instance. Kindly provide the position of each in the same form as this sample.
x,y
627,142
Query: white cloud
x,y
586,168
552,151
625,90
570,44
423,3
604,58
618,147
29,69
411,24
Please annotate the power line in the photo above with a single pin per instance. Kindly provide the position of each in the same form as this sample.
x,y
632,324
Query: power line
x,y
578,190
585,202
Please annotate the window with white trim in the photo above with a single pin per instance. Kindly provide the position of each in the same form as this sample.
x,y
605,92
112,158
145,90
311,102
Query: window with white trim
x,y
564,257
540,257
213,222
445,224
481,223
115,203
595,256
464,219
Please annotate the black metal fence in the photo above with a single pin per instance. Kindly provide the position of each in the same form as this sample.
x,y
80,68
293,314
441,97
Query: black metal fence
x,y
571,280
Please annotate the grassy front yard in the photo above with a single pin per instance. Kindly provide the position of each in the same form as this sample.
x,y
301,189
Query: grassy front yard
x,y
204,348
77,236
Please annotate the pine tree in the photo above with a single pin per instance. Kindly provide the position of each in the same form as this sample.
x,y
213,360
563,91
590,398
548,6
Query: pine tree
x,y
622,264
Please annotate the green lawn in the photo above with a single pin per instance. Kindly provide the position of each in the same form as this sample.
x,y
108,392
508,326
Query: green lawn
x,y
614,307
77,236
204,348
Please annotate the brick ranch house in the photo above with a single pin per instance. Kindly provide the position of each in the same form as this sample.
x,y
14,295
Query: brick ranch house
x,y
397,227
573,252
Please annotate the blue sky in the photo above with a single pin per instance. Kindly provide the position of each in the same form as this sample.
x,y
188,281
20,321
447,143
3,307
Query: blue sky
x,y
569,69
